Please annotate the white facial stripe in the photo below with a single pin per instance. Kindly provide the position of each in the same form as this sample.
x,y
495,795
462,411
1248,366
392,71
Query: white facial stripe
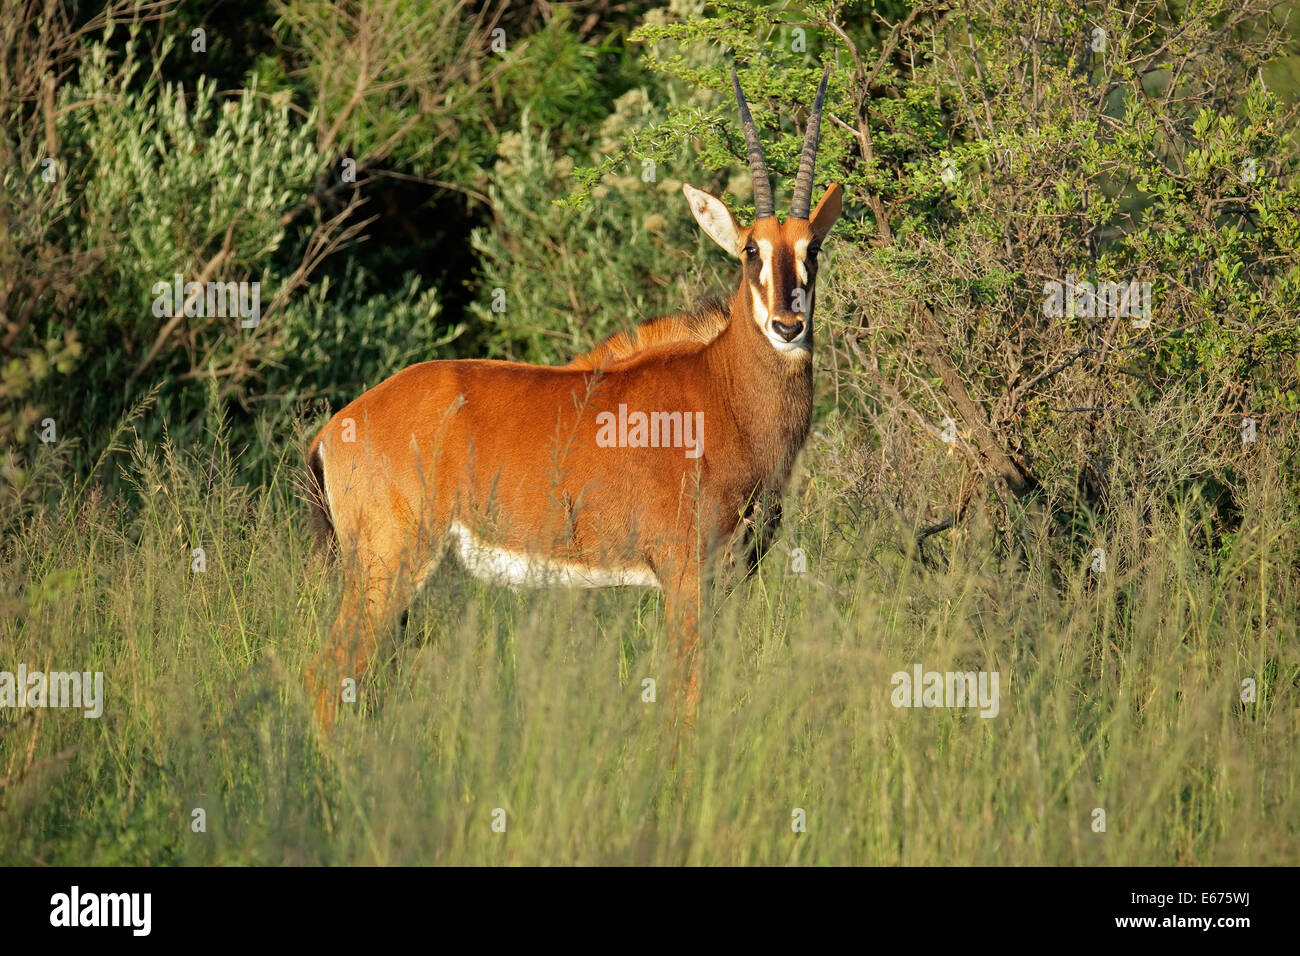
x,y
765,278
800,254
765,256
761,311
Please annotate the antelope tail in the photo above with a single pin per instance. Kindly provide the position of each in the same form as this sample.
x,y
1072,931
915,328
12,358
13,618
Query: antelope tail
x,y
322,521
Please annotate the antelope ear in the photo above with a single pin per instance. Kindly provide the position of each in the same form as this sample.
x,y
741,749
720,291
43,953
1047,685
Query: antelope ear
x,y
714,218
827,211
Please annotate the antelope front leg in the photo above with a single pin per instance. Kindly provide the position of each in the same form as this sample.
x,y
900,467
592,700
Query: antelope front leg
x,y
368,612
682,610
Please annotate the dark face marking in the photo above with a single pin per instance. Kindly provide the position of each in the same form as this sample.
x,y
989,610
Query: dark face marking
x,y
780,268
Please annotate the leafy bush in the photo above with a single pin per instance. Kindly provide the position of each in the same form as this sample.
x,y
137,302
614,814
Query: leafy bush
x,y
1107,147
570,276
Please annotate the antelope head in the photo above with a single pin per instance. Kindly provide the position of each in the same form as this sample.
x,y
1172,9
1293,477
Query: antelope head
x,y
779,259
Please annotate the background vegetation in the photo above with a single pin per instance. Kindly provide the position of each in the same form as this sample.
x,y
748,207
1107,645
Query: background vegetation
x,y
970,454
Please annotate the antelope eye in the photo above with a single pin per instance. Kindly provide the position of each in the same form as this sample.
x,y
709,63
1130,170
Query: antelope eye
x,y
751,249
814,249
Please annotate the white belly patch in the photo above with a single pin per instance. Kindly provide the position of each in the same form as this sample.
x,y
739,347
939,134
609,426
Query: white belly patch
x,y
516,569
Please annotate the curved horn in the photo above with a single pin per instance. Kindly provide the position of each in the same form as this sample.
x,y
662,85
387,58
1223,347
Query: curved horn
x,y
763,206
804,181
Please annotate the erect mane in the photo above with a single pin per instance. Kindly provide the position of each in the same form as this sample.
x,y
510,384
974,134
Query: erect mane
x,y
702,326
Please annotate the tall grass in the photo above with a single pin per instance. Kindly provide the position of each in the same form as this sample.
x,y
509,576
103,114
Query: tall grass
x,y
1120,691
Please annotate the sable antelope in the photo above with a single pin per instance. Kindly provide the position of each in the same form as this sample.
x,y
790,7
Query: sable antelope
x,y
631,465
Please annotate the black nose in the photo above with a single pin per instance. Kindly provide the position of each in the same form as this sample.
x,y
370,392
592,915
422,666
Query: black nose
x,y
788,332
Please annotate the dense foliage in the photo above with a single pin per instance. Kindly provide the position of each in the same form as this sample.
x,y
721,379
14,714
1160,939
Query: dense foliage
x,y
408,180
1058,319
